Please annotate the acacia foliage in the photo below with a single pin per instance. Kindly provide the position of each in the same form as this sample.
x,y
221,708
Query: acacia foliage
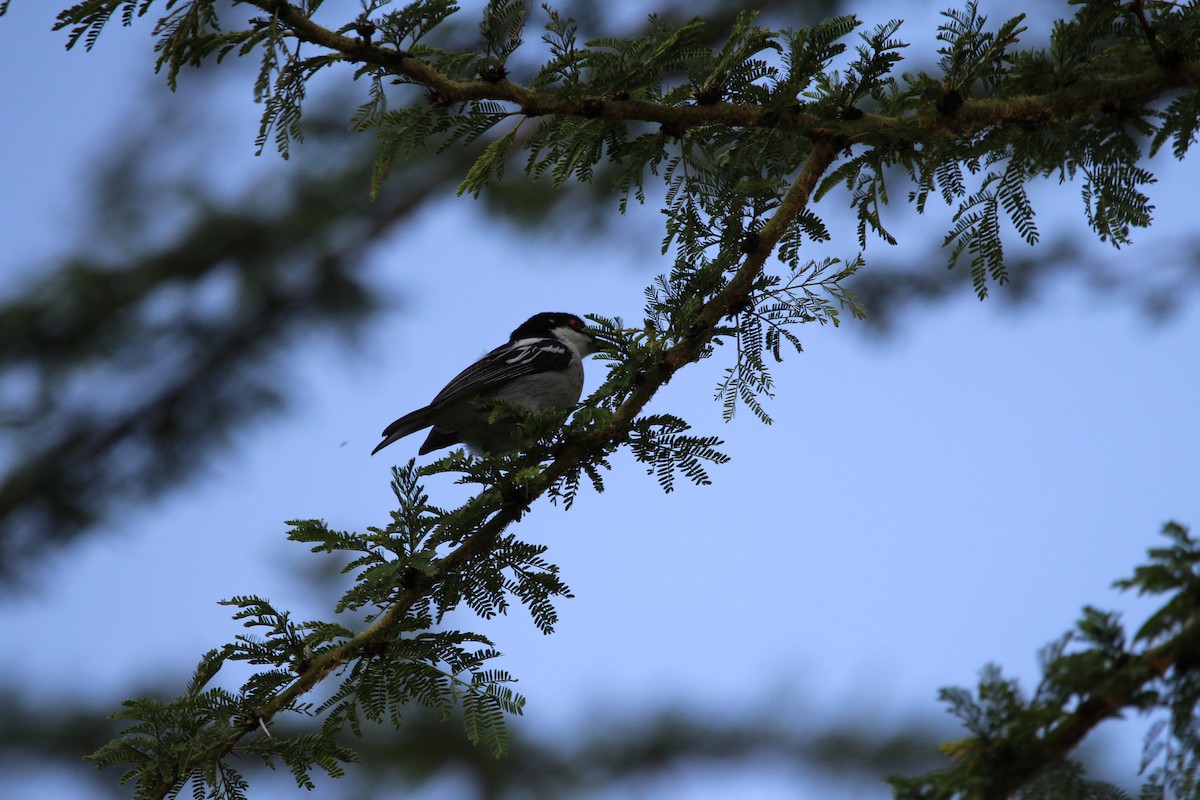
x,y
740,139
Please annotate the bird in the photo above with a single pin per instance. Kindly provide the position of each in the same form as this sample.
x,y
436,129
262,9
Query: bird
x,y
540,368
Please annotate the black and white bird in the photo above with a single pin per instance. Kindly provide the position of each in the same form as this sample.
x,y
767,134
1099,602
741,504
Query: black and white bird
x,y
540,368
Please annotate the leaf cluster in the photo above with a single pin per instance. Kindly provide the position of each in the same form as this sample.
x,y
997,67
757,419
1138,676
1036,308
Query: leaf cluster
x,y
402,656
168,745
985,170
1021,742
813,292
582,95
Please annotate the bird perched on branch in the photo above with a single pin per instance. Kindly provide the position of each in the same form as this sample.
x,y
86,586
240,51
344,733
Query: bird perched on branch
x,y
540,369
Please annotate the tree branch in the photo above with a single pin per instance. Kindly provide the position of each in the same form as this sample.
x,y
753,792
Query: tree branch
x,y
576,450
1081,97
1117,691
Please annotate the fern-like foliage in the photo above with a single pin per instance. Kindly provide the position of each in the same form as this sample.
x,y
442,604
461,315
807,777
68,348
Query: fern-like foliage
x,y
500,31
406,28
1018,740
168,745
973,55
635,68
722,178
662,442
811,293
741,63
400,657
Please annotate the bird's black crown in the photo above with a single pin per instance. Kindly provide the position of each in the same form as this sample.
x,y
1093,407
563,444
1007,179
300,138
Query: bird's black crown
x,y
542,324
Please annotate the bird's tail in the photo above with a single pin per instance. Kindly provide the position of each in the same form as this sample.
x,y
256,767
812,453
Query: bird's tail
x,y
409,423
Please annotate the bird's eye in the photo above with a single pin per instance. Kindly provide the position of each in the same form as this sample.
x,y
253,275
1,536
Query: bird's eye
x,y
575,323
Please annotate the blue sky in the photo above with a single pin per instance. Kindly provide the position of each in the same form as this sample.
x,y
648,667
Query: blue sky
x,y
922,506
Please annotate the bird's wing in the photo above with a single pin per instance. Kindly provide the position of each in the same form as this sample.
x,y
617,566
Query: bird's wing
x,y
497,367
502,365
